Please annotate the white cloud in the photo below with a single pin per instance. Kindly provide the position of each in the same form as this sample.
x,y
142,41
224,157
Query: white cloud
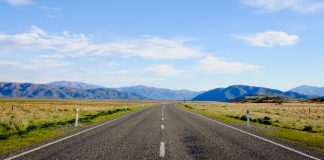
x,y
214,65
19,2
38,40
269,39
164,70
39,63
296,5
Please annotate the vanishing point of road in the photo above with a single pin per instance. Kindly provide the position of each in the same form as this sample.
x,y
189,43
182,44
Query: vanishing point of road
x,y
164,132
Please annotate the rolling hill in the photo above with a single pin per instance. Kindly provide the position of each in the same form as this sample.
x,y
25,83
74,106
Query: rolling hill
x,y
309,90
237,92
42,91
161,93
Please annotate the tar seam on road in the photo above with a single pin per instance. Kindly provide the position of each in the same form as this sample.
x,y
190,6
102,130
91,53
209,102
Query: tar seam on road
x,y
62,139
162,149
253,135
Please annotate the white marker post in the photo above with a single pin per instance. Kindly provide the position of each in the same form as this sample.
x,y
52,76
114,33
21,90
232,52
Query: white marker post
x,y
76,117
247,118
125,107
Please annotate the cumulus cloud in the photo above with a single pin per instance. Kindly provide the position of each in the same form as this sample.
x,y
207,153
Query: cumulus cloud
x,y
269,39
214,65
297,5
18,2
38,40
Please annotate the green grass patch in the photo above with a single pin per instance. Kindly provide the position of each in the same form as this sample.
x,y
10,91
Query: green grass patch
x,y
313,140
35,136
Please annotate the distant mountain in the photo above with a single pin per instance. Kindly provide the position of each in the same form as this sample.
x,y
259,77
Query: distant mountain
x,y
73,84
237,92
161,93
309,90
40,91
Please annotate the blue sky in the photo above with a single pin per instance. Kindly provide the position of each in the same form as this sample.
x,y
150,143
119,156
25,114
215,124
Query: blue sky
x,y
171,43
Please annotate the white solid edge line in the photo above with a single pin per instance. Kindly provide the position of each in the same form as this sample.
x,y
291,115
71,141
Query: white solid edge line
x,y
162,149
162,126
253,135
62,139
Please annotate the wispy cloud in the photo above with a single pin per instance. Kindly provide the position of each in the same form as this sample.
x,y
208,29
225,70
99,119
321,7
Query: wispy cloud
x,y
164,70
296,5
38,40
269,39
214,65
49,8
53,17
39,63
17,3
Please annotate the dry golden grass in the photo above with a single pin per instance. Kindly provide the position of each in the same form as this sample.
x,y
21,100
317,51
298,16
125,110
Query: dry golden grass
x,y
18,115
24,122
288,115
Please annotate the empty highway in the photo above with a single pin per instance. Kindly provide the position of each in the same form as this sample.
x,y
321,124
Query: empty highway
x,y
163,132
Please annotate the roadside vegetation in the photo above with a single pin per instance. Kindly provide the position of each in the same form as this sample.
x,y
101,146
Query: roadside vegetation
x,y
24,122
297,122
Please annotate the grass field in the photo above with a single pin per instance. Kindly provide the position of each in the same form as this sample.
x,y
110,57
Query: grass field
x,y
301,123
24,122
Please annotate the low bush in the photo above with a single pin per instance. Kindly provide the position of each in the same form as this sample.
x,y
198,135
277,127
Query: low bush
x,y
243,118
266,118
308,128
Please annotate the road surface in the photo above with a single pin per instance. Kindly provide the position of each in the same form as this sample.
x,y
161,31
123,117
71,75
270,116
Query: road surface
x,y
163,132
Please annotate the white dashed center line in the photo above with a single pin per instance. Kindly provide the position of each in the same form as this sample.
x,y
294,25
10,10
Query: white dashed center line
x,y
162,145
162,149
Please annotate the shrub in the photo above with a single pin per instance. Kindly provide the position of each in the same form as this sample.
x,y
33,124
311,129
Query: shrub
x,y
308,128
187,106
267,122
266,118
260,120
243,117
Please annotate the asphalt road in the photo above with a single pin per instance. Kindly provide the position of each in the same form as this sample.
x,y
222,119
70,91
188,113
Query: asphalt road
x,y
163,132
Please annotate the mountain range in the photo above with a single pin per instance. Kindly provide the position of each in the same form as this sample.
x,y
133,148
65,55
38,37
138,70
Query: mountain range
x,y
149,92
42,91
74,84
309,90
161,93
237,92
80,90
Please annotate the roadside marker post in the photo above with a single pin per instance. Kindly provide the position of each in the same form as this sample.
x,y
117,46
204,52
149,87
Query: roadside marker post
x,y
247,118
76,117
